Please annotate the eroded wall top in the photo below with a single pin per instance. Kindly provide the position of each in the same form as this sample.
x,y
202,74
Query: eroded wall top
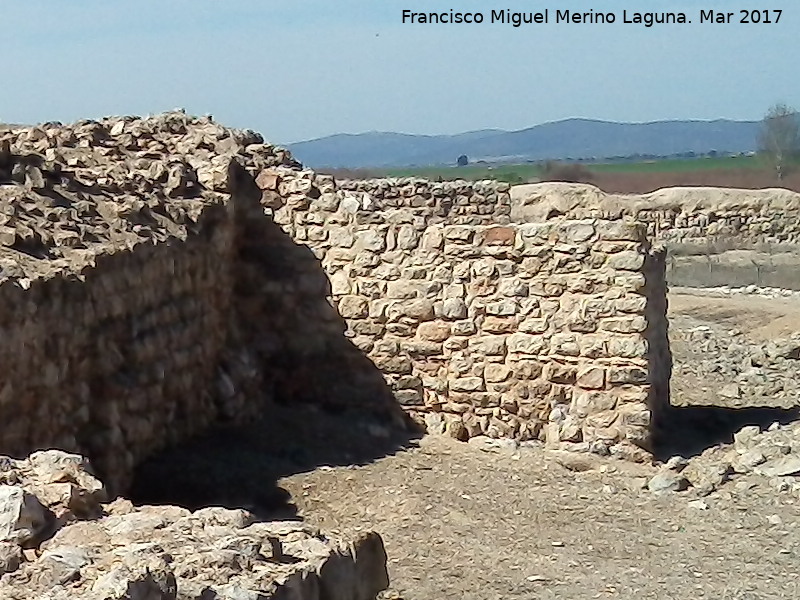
x,y
675,214
69,192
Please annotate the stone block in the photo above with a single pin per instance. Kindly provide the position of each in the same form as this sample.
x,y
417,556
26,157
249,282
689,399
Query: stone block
x,y
453,309
496,373
591,377
489,345
353,307
523,343
499,324
626,261
498,236
626,324
435,331
466,384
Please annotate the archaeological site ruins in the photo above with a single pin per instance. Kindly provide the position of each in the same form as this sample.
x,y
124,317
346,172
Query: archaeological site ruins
x,y
164,275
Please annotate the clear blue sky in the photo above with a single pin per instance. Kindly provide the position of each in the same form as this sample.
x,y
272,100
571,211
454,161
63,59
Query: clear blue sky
x,y
298,69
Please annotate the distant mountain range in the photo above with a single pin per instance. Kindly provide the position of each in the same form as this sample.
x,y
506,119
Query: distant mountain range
x,y
583,139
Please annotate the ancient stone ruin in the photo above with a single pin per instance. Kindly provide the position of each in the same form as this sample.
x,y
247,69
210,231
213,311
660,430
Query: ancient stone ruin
x,y
163,275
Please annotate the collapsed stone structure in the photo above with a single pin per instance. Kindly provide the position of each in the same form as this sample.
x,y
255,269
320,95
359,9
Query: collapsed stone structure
x,y
161,275
60,539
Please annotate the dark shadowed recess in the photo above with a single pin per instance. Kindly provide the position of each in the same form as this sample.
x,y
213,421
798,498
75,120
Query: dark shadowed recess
x,y
687,430
324,402
240,466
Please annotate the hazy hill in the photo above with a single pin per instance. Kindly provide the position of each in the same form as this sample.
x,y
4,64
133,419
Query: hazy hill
x,y
571,138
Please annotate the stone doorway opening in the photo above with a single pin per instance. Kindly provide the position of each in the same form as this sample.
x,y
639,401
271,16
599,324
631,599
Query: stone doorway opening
x,y
727,357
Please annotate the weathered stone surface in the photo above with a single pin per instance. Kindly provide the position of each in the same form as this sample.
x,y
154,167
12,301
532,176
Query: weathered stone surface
x,y
22,517
127,553
249,261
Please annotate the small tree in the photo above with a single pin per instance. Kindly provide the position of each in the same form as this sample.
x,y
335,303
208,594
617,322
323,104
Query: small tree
x,y
463,160
779,137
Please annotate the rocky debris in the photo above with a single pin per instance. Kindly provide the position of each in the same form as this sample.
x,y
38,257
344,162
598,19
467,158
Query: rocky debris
x,y
492,445
754,373
170,553
772,455
59,542
69,192
42,493
727,291
668,479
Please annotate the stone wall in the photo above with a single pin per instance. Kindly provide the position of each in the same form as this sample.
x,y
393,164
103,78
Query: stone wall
x,y
119,267
714,237
163,274
122,361
530,331
453,202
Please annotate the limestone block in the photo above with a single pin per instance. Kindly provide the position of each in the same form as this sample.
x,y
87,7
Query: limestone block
x,y
513,287
585,403
435,331
464,328
591,377
620,231
524,343
626,324
466,384
564,344
489,345
634,282
496,373
621,375
631,304
632,346
453,308
485,267
418,348
405,289
420,310
576,231
399,365
493,324
432,239
559,373
368,328
635,415
459,233
626,260
498,236
502,308
341,237
371,240
409,397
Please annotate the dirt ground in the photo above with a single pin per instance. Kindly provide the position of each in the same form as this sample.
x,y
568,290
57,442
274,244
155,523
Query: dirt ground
x,y
461,522
760,318
480,522
728,320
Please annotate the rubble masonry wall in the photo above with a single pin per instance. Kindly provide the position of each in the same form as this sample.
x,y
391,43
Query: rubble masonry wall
x,y
714,237
479,325
159,275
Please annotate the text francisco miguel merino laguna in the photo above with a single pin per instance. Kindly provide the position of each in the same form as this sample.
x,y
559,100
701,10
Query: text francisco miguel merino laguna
x,y
545,16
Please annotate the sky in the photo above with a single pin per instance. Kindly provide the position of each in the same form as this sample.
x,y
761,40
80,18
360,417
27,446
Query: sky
x,y
300,69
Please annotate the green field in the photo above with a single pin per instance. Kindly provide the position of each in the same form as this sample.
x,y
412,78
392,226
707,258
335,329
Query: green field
x,y
532,172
